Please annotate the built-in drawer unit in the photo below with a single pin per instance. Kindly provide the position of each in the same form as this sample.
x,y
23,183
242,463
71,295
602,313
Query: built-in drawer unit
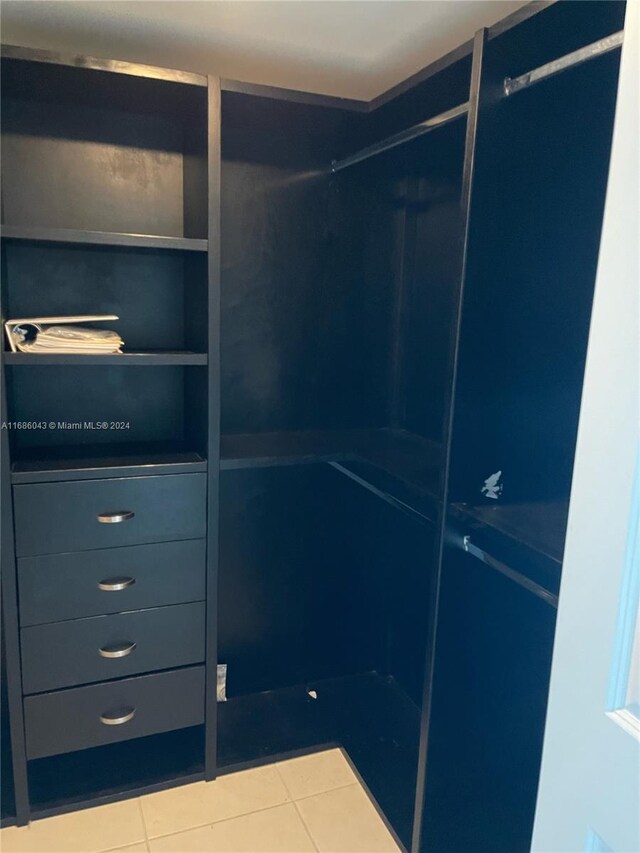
x,y
65,654
51,518
92,583
120,710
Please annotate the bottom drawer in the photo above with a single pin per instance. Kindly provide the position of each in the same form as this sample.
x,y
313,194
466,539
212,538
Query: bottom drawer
x,y
84,717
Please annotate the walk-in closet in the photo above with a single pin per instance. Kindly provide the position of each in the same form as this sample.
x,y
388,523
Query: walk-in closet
x,y
339,443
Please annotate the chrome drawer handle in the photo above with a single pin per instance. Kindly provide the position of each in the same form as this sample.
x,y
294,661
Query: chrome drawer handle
x,y
115,517
117,650
115,584
118,717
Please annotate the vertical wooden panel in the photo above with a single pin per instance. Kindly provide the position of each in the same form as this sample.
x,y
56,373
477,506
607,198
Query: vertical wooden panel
x,y
213,456
533,199
478,99
528,300
9,594
488,711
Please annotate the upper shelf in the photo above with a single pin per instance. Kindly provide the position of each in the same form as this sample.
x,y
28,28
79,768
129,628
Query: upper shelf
x,y
46,78
91,63
404,469
137,359
103,238
398,466
262,450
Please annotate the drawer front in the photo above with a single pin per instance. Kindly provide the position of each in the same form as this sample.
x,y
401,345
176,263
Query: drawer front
x,y
73,719
51,518
64,654
92,583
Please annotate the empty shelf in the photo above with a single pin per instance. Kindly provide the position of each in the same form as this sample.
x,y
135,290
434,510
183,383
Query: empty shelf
x,y
104,774
131,359
260,450
368,714
396,465
103,238
51,464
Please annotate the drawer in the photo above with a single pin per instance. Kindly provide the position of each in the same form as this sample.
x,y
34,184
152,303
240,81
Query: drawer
x,y
92,583
107,713
51,518
65,654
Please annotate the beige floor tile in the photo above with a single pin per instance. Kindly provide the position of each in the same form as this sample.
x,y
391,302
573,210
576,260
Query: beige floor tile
x,y
314,774
277,830
345,821
86,831
132,848
206,802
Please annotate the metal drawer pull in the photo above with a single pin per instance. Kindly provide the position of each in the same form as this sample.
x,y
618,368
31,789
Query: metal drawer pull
x,y
117,717
115,584
117,650
115,517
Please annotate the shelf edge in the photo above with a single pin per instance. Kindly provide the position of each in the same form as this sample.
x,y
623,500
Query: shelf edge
x,y
74,236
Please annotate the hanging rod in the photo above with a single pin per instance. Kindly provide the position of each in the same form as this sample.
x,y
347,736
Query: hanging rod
x,y
402,137
511,85
597,48
510,573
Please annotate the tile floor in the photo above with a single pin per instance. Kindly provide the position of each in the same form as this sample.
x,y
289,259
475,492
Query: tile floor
x,y
313,803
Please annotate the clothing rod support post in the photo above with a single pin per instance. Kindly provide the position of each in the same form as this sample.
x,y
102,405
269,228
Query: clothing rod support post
x,y
402,137
590,51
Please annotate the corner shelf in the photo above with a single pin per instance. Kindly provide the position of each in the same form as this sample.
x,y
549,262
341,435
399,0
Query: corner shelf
x,y
125,359
397,466
262,727
103,461
266,449
103,238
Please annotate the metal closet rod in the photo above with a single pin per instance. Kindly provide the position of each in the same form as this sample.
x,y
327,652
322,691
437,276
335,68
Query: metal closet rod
x,y
507,571
511,85
597,48
402,137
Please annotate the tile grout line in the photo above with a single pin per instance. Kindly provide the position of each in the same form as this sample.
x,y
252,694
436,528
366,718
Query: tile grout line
x,y
354,784
298,812
121,847
113,849
245,814
148,839
216,822
144,824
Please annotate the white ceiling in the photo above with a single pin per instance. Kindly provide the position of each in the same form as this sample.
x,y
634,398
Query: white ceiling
x,y
351,48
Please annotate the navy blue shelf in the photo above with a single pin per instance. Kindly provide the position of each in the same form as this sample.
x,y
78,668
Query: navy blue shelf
x,y
128,359
103,238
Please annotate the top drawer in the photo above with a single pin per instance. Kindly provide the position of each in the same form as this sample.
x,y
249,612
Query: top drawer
x,y
51,518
